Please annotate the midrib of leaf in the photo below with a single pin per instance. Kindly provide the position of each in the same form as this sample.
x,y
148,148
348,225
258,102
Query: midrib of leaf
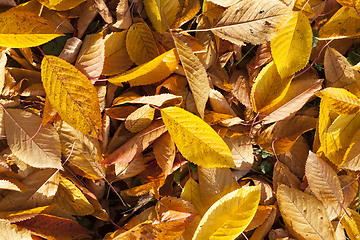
x,y
43,184
69,93
30,137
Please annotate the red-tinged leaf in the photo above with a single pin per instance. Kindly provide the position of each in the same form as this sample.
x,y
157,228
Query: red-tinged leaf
x,y
127,152
52,227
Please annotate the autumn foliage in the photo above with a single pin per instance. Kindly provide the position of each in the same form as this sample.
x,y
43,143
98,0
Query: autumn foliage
x,y
179,119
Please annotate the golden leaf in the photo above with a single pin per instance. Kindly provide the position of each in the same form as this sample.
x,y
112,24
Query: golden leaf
x,y
195,139
156,9
72,95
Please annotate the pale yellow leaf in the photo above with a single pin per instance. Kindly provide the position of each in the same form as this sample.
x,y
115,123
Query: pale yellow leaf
x,y
25,142
269,88
83,152
195,74
42,186
162,100
195,139
228,217
123,15
292,46
3,61
304,215
24,29
90,60
11,231
251,21
140,118
150,72
156,9
70,198
164,151
117,59
224,3
343,24
140,43
72,95
191,193
214,183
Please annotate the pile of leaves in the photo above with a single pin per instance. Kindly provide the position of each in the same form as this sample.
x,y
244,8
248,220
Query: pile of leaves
x,y
179,119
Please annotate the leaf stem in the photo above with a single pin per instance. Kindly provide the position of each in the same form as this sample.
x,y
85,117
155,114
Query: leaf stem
x,y
245,54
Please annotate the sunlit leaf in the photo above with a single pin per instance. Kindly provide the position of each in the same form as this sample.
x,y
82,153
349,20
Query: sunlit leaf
x,y
72,95
195,74
304,215
291,48
195,139
228,217
150,72
140,43
24,29
251,21
161,13
25,141
61,5
11,231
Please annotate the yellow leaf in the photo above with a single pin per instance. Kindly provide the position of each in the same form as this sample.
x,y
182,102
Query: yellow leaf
x,y
352,155
11,231
72,95
340,101
214,183
300,91
42,186
195,139
262,213
224,3
117,59
343,24
188,10
251,21
162,100
228,217
324,183
291,48
338,136
70,198
16,216
150,72
90,60
83,152
283,175
195,74
269,88
241,150
212,10
156,9
338,71
140,118
348,3
191,193
352,225
21,29
298,211
264,229
140,43
25,142
60,5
